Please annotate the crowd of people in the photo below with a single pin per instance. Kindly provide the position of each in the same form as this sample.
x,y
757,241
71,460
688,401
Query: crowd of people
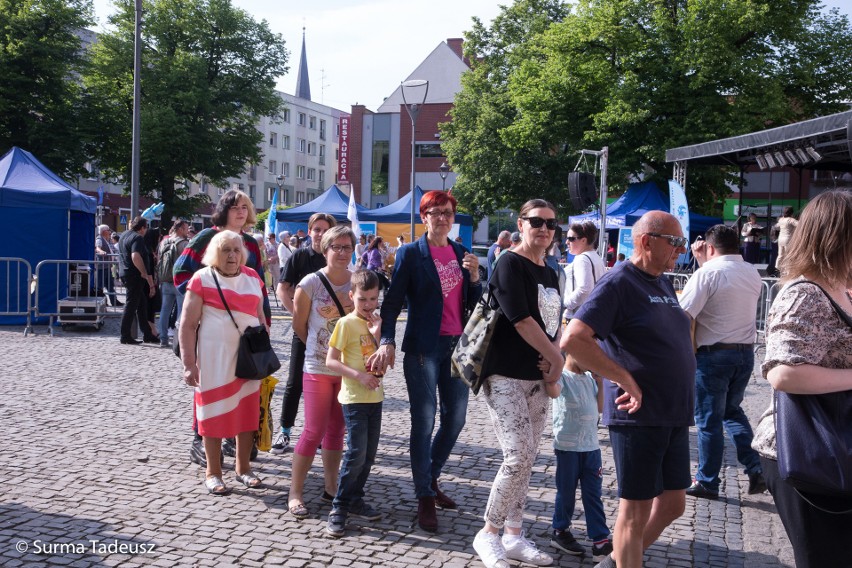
x,y
589,342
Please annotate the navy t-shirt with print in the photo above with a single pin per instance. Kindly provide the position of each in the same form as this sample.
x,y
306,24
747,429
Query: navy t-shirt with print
x,y
523,289
642,327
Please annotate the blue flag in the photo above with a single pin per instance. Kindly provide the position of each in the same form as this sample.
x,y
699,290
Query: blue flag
x,y
272,219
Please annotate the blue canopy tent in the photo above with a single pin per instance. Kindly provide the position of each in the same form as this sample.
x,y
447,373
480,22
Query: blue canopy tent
x,y
399,213
638,200
50,220
331,201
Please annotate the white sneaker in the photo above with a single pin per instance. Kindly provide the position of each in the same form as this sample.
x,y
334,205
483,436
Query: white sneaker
x,y
490,549
517,547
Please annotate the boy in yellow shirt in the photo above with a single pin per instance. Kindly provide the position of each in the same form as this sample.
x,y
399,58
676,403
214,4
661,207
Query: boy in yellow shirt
x,y
354,339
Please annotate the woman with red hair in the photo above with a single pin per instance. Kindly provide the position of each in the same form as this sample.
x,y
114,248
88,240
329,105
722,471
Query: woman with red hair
x,y
440,281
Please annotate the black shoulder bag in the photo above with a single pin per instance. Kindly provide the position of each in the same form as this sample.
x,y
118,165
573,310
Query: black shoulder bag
x,y
814,438
256,359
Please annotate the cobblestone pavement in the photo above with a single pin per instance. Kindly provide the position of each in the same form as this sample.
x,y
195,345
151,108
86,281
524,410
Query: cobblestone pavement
x,y
96,472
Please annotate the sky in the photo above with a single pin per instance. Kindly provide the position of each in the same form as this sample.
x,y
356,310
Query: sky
x,y
359,51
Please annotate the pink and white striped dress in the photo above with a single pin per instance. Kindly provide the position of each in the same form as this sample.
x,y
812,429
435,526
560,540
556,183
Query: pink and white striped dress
x,y
224,404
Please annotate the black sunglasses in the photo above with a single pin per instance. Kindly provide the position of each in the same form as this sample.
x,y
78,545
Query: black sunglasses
x,y
673,240
537,222
572,239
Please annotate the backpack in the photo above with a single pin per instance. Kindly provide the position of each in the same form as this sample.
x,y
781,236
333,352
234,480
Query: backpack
x,y
166,261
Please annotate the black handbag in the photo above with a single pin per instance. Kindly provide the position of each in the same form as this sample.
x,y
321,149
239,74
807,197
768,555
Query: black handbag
x,y
814,437
256,359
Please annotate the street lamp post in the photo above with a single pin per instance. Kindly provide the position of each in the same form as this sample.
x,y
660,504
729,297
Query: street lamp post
x,y
413,88
280,181
443,170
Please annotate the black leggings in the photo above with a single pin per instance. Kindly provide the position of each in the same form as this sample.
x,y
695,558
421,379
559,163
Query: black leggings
x,y
293,389
818,538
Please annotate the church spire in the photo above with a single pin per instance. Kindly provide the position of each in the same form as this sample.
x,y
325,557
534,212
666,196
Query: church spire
x,y
303,84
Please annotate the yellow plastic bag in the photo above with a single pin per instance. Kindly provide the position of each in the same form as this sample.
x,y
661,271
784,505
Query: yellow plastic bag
x,y
264,428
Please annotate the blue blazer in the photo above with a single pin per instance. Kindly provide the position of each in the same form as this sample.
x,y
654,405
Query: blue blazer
x,y
415,278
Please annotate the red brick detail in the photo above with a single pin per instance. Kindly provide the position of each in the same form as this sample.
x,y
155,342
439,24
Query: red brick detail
x,y
426,129
356,152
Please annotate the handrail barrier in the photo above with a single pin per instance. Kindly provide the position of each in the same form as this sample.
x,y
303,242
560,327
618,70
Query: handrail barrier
x,y
17,273
78,287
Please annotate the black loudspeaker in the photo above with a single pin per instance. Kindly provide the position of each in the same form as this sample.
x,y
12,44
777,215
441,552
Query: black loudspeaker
x,y
581,189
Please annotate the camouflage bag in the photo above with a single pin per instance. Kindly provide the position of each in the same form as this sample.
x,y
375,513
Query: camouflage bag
x,y
471,352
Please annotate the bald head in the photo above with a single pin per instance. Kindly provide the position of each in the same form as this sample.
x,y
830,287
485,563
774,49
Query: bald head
x,y
654,254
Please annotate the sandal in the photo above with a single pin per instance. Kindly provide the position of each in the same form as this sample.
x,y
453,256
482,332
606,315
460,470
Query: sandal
x,y
299,511
249,479
215,486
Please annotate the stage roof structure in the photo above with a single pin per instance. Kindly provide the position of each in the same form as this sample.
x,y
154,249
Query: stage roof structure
x,y
818,144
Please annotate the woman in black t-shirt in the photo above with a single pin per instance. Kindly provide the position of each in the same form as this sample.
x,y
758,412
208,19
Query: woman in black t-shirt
x,y
524,364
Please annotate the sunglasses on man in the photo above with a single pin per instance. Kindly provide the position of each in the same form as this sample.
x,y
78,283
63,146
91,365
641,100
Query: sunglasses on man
x,y
675,241
537,222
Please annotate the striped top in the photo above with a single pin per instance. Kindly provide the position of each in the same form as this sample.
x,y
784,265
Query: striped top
x,y
189,262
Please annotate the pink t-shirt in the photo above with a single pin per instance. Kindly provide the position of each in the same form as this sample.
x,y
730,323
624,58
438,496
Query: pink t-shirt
x,y
450,275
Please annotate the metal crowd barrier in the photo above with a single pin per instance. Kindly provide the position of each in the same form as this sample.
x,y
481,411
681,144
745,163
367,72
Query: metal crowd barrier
x,y
19,288
80,299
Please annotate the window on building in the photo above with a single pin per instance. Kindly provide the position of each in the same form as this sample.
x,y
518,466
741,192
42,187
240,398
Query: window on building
x,y
322,154
273,139
300,197
322,178
286,115
273,167
300,172
285,142
220,190
302,145
429,150
312,174
312,148
322,129
270,192
252,190
285,169
312,122
252,172
381,167
303,118
284,197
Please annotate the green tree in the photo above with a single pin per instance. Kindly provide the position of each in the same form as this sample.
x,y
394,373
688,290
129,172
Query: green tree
x,y
209,73
41,100
638,77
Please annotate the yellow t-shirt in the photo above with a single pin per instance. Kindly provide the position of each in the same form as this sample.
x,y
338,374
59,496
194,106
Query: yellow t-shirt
x,y
353,339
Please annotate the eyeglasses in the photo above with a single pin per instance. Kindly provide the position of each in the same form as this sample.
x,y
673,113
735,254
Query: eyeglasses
x,y
676,242
537,222
572,239
438,213
342,248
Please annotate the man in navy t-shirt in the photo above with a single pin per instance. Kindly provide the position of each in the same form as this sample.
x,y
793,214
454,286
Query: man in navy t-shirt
x,y
633,331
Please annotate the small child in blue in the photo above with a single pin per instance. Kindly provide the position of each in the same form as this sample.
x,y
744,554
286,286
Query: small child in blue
x,y
352,342
578,459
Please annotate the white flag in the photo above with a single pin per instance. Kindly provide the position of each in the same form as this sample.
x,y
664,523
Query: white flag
x,y
678,206
352,213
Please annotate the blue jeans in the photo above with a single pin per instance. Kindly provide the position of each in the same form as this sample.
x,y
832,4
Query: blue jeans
x,y
584,467
363,426
426,376
720,383
170,296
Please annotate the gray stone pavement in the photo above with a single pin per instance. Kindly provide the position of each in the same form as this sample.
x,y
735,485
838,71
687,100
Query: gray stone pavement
x,y
95,472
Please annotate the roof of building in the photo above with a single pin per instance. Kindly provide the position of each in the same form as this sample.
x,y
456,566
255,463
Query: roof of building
x,y
303,82
443,69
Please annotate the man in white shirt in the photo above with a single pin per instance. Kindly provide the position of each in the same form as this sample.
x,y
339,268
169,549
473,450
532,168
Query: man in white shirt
x,y
721,298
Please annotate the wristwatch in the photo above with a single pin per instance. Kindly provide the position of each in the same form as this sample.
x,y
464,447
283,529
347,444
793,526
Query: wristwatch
x,y
387,341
